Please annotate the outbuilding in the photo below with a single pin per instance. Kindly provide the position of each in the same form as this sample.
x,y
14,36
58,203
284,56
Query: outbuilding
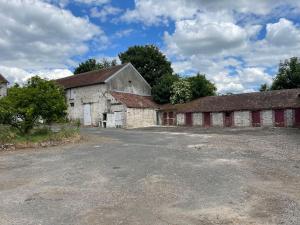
x,y
279,108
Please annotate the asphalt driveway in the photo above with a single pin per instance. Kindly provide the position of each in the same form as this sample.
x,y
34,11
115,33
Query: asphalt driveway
x,y
156,176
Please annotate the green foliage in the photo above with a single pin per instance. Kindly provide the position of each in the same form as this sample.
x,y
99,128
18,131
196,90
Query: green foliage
x,y
37,100
181,91
264,87
92,64
161,92
6,135
201,87
149,61
288,75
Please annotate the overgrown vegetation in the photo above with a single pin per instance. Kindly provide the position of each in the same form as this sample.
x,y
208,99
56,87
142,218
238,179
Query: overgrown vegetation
x,y
38,101
92,64
11,136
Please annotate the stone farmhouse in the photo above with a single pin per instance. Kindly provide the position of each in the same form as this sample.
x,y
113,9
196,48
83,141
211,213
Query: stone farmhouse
x,y
3,86
115,97
271,108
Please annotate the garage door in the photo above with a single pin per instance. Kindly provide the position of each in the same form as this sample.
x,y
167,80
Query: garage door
x,y
297,117
207,119
279,117
188,119
256,119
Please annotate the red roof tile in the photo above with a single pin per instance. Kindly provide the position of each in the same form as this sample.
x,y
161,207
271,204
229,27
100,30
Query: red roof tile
x,y
289,98
89,78
2,79
134,101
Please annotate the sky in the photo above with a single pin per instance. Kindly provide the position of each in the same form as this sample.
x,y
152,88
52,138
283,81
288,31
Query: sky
x,y
237,44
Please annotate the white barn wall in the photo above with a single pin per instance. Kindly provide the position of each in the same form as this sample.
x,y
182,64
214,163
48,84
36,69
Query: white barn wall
x,y
140,117
289,117
197,119
3,90
267,118
217,119
242,118
180,117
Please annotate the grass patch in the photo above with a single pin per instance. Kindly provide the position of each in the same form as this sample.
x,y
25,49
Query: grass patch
x,y
42,136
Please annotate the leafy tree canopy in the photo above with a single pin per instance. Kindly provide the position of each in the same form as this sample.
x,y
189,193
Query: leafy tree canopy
x,y
161,92
201,87
264,87
288,75
92,64
181,91
149,61
38,99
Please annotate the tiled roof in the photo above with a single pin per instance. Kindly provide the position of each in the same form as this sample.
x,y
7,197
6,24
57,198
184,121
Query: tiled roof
x,y
134,101
89,78
2,79
289,98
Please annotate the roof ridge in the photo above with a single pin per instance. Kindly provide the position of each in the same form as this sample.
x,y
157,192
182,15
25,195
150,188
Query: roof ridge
x,y
99,70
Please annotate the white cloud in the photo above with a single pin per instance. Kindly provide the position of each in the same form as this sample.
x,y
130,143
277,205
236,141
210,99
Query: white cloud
x,y
283,33
17,75
123,33
42,35
105,11
63,3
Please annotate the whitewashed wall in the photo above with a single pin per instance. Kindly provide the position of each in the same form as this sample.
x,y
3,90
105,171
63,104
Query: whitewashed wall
x,y
267,118
140,117
217,119
242,118
197,119
289,117
180,117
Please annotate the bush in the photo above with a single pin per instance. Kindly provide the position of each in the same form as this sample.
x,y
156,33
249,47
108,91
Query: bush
x,y
6,135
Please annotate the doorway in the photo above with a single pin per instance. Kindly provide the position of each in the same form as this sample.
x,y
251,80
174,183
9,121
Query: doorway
x,y
188,119
87,118
228,119
279,117
206,119
256,121
297,117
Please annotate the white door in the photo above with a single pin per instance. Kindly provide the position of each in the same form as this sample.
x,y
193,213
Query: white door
x,y
87,119
118,119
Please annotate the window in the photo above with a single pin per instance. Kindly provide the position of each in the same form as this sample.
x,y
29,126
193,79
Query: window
x,y
72,94
72,104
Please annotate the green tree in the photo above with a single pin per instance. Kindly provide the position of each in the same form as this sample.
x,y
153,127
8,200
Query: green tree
x,y
37,100
288,75
201,87
149,61
181,91
161,92
264,87
92,64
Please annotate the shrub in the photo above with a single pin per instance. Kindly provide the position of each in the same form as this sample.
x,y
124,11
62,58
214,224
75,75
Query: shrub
x,y
6,135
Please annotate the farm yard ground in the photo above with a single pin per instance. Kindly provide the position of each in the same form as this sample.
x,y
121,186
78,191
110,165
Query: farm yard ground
x,y
156,176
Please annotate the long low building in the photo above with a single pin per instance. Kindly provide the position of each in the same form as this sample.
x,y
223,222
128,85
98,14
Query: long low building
x,y
271,108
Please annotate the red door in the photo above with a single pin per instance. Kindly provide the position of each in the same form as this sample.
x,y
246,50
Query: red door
x,y
279,117
165,118
297,117
188,119
207,120
171,119
256,119
228,119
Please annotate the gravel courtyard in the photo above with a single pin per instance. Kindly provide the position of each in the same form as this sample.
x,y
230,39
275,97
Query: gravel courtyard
x,y
156,176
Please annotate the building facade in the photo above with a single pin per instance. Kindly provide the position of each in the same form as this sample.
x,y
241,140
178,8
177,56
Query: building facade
x,y
3,86
115,97
262,109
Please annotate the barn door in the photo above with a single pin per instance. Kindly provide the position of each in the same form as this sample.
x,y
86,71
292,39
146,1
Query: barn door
x,y
87,118
118,119
297,117
279,118
171,119
207,120
256,121
228,119
165,118
188,119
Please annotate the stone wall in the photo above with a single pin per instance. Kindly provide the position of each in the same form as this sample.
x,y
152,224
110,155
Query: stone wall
x,y
180,118
267,118
129,81
140,117
289,117
217,120
94,95
3,90
197,119
242,118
